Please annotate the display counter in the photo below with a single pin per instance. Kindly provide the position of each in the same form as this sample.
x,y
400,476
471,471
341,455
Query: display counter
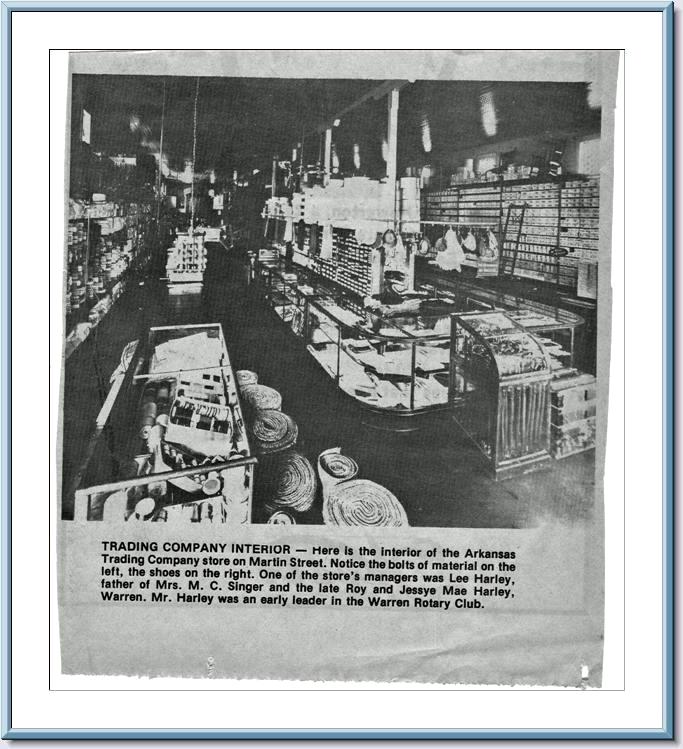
x,y
170,444
499,387
395,359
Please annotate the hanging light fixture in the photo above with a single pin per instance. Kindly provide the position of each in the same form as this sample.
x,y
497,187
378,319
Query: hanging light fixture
x,y
426,134
489,119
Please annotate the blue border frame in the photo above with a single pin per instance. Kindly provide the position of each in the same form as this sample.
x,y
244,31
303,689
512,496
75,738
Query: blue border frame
x,y
666,7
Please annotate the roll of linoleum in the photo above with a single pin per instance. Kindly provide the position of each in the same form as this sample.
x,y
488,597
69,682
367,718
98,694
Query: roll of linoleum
x,y
273,432
363,503
261,397
292,483
333,468
246,377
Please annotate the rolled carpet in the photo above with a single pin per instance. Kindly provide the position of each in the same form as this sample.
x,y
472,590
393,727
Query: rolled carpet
x,y
246,377
281,518
293,483
362,502
261,397
333,467
273,432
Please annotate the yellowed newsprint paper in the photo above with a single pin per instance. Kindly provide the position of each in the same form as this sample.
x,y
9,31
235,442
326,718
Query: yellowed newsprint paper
x,y
336,363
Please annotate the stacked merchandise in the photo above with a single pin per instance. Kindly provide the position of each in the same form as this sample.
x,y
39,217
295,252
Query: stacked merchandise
x,y
559,231
97,274
77,244
327,220
186,261
572,414
285,476
539,236
353,264
579,222
480,206
579,231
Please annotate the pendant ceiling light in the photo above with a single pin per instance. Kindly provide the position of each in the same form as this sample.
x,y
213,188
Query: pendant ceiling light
x,y
489,119
426,134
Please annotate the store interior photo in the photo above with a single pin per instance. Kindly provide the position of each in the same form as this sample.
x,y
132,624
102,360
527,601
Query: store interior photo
x,y
339,302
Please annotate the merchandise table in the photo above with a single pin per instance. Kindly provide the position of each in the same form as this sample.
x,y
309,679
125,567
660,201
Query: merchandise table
x,y
170,444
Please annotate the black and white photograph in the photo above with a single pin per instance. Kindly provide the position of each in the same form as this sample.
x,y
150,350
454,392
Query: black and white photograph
x,y
337,347
389,283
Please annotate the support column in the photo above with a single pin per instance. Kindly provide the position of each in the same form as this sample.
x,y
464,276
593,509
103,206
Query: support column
x,y
328,154
392,142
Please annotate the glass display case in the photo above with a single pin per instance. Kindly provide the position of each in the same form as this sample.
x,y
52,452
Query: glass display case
x,y
499,387
393,360
557,327
287,293
396,359
170,443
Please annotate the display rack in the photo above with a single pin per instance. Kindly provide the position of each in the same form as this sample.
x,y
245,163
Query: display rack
x,y
99,271
186,262
560,227
499,386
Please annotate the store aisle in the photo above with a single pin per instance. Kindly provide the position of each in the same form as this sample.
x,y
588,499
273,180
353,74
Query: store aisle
x,y
436,473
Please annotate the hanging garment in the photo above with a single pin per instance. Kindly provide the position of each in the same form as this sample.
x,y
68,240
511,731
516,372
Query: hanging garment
x,y
424,247
482,245
453,256
493,244
328,243
487,264
470,243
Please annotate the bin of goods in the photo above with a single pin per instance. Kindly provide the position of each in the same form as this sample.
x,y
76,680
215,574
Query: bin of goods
x,y
572,417
171,445
500,389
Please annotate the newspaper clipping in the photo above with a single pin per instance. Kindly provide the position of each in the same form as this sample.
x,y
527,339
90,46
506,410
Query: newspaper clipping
x,y
336,360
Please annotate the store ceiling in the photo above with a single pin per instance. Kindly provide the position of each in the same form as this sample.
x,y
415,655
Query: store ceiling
x,y
242,122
